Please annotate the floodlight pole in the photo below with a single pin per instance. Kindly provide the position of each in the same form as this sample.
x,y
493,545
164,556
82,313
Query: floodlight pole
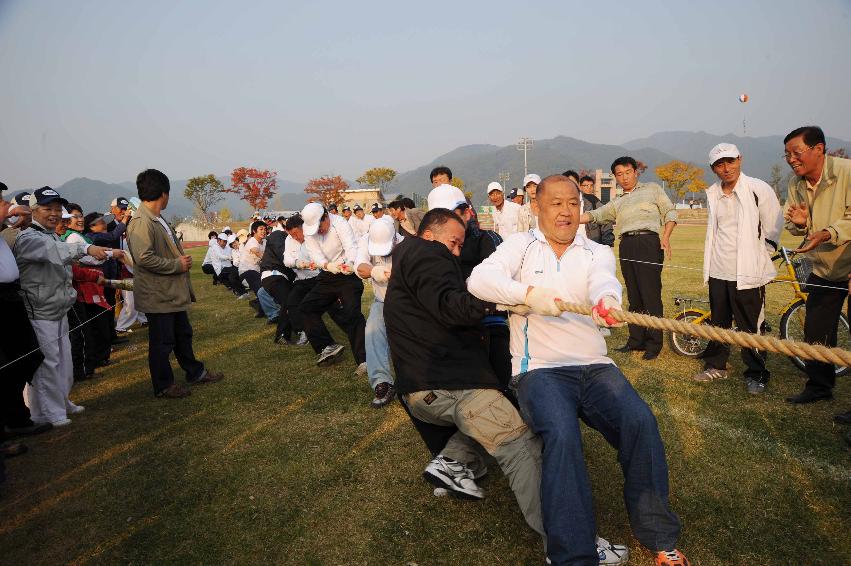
x,y
503,177
524,145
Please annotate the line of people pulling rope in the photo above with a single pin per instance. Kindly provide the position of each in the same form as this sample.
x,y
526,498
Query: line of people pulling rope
x,y
466,328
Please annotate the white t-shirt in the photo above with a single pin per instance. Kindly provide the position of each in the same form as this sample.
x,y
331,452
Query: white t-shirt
x,y
247,260
722,264
505,221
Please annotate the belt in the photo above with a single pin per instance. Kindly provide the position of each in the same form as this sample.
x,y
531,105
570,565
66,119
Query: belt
x,y
638,233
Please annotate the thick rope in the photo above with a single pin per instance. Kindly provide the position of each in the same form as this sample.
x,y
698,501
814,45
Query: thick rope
x,y
836,356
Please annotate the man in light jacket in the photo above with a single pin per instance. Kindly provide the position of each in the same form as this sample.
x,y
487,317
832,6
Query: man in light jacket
x,y
163,290
45,278
744,224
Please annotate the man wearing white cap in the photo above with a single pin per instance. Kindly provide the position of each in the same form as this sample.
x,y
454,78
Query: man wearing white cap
x,y
374,262
526,219
506,214
744,224
333,249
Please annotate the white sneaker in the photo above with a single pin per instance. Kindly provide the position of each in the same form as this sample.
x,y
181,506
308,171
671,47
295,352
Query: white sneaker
x,y
302,339
361,370
454,476
330,355
73,409
243,296
60,422
611,554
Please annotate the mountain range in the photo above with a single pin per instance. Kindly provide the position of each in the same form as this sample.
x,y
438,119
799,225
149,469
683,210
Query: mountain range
x,y
480,164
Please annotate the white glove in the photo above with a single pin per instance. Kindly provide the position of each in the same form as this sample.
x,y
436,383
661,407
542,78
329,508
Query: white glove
x,y
332,268
347,268
380,274
601,314
301,264
522,310
543,301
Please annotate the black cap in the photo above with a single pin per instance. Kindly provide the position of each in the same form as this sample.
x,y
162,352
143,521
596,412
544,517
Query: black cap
x,y
358,207
120,202
346,207
512,193
376,207
46,195
3,187
22,198
332,206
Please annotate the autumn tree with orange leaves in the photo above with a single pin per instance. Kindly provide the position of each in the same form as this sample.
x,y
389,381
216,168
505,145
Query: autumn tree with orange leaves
x,y
254,186
682,177
326,189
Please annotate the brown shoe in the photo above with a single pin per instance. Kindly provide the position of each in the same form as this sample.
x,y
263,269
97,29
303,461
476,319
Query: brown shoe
x,y
174,391
208,377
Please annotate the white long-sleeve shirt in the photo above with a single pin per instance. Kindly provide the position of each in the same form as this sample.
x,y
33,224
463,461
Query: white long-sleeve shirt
x,y
506,221
220,257
584,274
294,252
754,225
360,226
338,245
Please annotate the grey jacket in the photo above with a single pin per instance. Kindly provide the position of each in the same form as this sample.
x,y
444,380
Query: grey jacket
x,y
45,265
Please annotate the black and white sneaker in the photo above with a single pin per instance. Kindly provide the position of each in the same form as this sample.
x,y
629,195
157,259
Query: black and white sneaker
x,y
302,339
453,476
611,554
330,355
384,393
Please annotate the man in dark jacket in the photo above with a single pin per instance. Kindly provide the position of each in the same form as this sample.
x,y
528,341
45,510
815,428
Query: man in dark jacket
x,y
600,233
277,278
442,370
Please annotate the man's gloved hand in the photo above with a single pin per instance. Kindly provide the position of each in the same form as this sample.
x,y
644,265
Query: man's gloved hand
x,y
600,313
301,264
380,274
332,268
522,310
347,268
543,301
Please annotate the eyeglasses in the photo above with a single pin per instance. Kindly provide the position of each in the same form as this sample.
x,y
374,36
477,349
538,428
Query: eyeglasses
x,y
796,154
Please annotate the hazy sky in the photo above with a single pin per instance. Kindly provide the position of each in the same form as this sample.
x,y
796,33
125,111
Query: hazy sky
x,y
103,89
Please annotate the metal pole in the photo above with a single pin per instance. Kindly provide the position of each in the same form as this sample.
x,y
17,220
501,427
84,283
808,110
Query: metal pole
x,y
524,145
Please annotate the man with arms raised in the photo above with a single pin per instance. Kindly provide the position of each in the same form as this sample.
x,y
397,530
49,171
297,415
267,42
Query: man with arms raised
x,y
562,373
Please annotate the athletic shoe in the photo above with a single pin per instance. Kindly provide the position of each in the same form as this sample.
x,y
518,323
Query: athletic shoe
x,y
671,558
610,554
73,409
361,370
454,476
710,374
123,332
174,391
330,355
242,296
384,393
302,339
208,377
755,387
60,422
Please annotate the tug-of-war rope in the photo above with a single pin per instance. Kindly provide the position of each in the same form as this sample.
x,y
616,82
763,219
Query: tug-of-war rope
x,y
805,351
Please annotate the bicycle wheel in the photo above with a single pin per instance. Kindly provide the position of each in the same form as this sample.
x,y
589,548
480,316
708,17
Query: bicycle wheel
x,y
792,328
686,345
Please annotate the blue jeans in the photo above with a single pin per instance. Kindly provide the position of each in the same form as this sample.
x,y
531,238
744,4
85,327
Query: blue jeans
x,y
377,347
552,400
267,303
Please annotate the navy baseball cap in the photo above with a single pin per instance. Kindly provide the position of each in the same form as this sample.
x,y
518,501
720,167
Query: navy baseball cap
x,y
45,196
120,202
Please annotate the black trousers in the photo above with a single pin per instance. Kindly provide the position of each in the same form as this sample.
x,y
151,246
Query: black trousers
x,y
76,317
112,299
17,339
208,269
745,307
230,278
97,331
300,289
279,287
167,333
821,325
329,289
252,278
643,286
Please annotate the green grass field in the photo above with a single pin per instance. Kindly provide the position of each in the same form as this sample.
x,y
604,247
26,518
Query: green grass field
x,y
286,463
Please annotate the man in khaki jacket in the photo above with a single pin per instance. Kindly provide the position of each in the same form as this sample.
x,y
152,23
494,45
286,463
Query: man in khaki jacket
x,y
163,290
819,207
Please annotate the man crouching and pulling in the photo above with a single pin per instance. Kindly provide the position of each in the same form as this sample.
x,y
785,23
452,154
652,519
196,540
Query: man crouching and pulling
x,y
562,374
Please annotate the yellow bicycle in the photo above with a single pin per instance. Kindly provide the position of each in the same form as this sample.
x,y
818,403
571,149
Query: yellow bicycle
x,y
798,269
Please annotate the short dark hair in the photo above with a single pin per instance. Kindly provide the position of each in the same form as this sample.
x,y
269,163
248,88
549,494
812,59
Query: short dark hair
x,y
87,220
3,187
813,135
71,206
624,161
407,203
282,219
440,170
152,184
294,222
255,225
212,234
542,188
572,174
587,178
436,218
396,204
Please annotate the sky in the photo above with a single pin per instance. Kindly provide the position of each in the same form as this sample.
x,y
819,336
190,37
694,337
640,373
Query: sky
x,y
104,89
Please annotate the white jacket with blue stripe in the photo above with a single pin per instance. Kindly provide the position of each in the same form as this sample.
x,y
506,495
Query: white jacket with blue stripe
x,y
583,274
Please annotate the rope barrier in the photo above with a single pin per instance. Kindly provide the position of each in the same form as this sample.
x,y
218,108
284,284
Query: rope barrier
x,y
805,351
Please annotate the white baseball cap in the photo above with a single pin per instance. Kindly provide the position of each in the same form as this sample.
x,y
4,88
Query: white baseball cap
x,y
494,186
721,151
531,178
382,232
231,239
222,236
446,196
65,214
226,228
312,214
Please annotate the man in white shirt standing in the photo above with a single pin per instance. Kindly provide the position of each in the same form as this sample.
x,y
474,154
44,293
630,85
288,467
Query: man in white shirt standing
x,y
526,218
561,372
333,249
358,222
506,214
374,263
744,224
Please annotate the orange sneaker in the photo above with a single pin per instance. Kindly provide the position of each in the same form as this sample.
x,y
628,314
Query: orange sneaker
x,y
671,558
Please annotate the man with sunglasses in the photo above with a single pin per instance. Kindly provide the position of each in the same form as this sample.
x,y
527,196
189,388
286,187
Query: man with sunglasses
x,y
817,207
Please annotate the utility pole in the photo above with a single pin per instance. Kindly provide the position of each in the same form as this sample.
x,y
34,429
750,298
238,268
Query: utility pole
x,y
503,177
524,145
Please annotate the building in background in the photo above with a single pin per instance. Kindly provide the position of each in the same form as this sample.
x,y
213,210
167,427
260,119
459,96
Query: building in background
x,y
362,196
605,186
